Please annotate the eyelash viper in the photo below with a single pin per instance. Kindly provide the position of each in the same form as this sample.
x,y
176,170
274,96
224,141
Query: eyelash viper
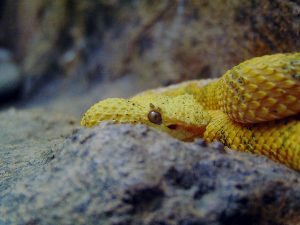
x,y
253,107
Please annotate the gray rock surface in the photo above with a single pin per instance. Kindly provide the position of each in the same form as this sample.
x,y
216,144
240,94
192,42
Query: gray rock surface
x,y
123,174
29,139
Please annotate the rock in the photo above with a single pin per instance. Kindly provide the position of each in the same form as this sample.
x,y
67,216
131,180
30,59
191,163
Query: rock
x,y
157,41
10,77
124,174
29,139
171,41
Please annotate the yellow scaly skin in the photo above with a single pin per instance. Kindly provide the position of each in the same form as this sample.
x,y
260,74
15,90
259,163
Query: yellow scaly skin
x,y
253,107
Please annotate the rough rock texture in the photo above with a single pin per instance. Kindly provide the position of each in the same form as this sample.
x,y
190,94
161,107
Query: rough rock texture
x,y
29,139
123,174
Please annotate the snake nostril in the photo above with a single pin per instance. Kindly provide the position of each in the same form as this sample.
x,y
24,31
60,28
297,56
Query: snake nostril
x,y
172,126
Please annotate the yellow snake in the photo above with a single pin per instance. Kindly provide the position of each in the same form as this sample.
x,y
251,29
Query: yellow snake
x,y
253,107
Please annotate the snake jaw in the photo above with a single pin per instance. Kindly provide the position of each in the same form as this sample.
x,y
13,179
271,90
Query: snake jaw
x,y
183,132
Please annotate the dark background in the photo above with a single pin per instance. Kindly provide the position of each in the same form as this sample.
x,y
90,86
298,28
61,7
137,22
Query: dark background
x,y
53,50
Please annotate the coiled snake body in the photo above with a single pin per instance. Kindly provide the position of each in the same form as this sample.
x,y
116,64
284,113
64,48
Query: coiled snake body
x,y
253,107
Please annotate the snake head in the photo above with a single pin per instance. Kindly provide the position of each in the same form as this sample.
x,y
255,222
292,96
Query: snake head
x,y
182,116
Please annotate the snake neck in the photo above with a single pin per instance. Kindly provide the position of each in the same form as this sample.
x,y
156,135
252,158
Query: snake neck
x,y
213,130
210,95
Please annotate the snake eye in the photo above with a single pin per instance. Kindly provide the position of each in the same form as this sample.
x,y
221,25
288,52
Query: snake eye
x,y
155,117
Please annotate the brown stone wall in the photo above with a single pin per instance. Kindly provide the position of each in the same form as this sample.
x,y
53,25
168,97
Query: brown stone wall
x,y
159,41
195,39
